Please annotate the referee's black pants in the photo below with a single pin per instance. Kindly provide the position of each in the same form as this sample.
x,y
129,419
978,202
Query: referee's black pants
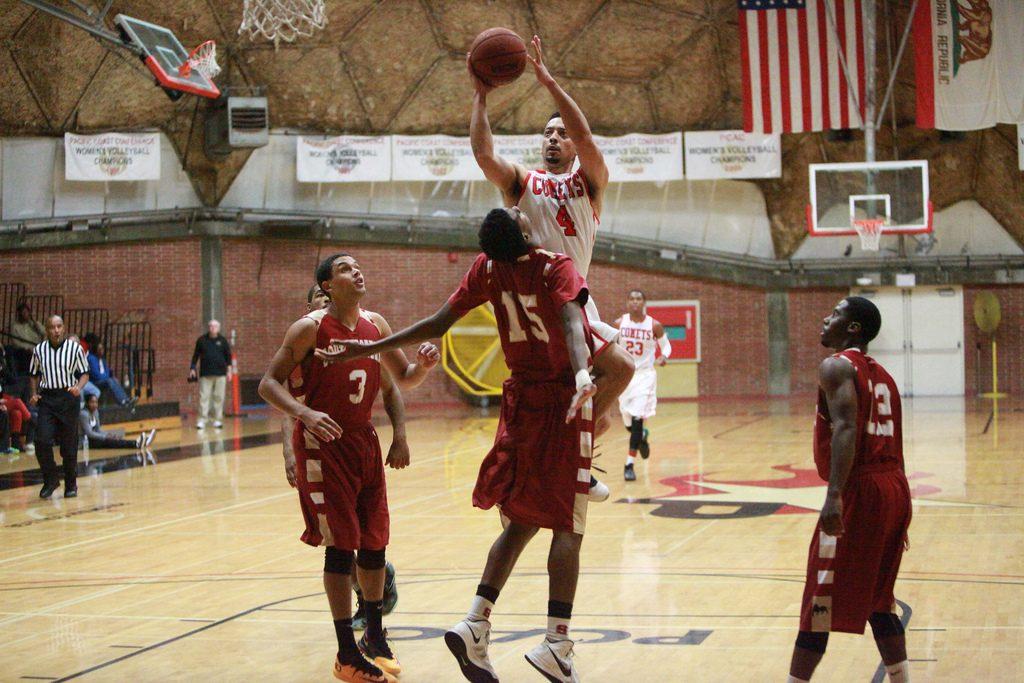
x,y
57,422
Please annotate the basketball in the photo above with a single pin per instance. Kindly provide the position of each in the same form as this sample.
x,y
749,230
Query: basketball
x,y
498,56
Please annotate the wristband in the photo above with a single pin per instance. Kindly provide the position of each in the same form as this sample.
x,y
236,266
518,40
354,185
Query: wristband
x,y
582,379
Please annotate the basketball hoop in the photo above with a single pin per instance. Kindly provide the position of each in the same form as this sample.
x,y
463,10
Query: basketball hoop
x,y
203,59
282,19
870,232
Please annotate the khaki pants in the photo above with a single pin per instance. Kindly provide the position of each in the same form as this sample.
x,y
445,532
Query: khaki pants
x,y
211,387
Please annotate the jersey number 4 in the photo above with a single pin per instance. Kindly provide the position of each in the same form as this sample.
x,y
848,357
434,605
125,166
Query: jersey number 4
x,y
516,333
565,220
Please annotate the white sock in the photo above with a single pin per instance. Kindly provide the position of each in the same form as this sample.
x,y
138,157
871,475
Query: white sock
x,y
480,610
558,629
630,459
899,672
794,679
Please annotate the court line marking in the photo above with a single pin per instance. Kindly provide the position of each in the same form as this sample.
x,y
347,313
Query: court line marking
x,y
198,515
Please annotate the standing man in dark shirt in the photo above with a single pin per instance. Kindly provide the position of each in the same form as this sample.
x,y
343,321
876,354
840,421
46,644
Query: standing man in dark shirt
x,y
213,354
59,372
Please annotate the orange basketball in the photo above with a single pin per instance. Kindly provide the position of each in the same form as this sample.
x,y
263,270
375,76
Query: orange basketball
x,y
497,56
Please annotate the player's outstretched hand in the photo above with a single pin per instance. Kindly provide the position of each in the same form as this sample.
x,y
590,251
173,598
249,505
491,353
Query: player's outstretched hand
x,y
544,76
321,425
478,84
427,355
339,353
832,516
661,361
582,394
289,469
398,455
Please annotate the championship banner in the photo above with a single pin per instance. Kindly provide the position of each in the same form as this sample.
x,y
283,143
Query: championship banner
x,y
681,320
112,156
733,154
520,149
968,55
344,159
638,157
433,157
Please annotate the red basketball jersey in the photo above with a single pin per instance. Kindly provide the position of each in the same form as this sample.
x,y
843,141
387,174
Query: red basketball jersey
x,y
345,391
879,418
527,297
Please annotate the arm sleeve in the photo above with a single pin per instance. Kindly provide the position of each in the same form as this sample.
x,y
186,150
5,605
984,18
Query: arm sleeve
x,y
665,345
34,367
196,353
227,353
473,290
565,283
81,365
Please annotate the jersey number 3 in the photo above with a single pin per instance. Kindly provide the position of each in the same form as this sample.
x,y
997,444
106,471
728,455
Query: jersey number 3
x,y
880,420
565,220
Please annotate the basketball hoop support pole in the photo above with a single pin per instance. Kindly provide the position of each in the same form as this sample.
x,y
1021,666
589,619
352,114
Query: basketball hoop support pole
x,y
870,59
79,22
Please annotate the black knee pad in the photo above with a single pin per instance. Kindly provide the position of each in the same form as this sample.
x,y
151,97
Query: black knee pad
x,y
636,434
813,641
338,561
885,624
371,559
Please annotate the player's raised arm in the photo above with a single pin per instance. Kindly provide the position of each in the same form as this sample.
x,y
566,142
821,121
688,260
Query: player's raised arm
x,y
429,328
298,342
506,176
576,126
406,375
579,355
836,377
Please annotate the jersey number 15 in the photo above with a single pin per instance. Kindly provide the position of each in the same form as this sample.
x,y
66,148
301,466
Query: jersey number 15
x,y
516,333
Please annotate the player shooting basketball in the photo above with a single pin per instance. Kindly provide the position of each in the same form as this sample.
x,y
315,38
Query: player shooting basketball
x,y
563,205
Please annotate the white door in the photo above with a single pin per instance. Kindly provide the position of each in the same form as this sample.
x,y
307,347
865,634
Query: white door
x,y
890,347
937,341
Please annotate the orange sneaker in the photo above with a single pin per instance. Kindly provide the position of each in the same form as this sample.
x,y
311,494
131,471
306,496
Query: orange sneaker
x,y
380,654
363,672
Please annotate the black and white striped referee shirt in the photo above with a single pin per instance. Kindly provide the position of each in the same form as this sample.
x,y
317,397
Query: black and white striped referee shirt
x,y
61,366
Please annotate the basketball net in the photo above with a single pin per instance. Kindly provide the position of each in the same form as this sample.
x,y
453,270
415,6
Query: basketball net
x,y
285,20
870,232
203,59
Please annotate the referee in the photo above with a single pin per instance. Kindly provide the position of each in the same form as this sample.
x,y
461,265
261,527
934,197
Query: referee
x,y
59,372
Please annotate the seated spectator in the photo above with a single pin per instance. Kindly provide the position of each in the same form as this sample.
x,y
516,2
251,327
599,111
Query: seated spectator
x,y
25,334
99,374
89,420
20,421
5,433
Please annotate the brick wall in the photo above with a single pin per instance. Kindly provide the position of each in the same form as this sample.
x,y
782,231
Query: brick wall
x,y
807,308
265,284
161,279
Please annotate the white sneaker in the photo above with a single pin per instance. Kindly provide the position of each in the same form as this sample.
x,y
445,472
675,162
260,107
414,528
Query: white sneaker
x,y
468,641
200,424
554,661
217,424
598,491
149,437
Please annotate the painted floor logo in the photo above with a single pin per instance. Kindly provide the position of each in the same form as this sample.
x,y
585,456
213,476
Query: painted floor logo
x,y
802,492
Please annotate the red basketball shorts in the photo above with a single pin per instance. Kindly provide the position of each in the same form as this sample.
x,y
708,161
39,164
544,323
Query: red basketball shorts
x,y
342,491
852,576
538,471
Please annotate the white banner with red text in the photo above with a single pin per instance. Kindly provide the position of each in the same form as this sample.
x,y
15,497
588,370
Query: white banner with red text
x,y
112,156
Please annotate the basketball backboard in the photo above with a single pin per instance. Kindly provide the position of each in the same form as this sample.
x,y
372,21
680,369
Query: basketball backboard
x,y
164,54
895,192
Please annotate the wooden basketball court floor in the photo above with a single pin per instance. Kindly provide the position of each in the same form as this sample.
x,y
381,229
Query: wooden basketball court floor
x,y
188,567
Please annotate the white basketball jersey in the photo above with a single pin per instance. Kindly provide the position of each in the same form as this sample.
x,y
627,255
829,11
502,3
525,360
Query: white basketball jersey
x,y
638,340
561,214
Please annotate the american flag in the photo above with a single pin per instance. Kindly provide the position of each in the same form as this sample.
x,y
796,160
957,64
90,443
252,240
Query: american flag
x,y
793,79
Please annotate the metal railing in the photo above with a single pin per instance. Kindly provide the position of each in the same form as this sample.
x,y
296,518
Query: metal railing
x,y
131,356
83,321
